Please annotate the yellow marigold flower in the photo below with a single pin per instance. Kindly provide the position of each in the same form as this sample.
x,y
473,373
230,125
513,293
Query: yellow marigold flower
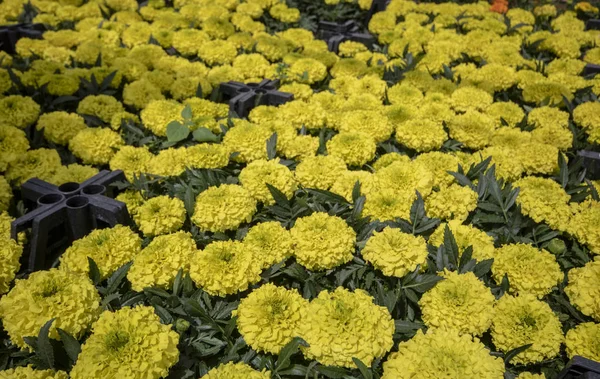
x,y
470,98
405,94
109,248
395,253
350,48
239,370
537,158
256,175
168,162
270,316
159,113
543,200
421,134
307,70
300,147
6,194
382,22
460,302
131,69
248,140
95,145
69,298
439,164
115,346
560,138
388,204
225,267
223,208
405,177
60,85
344,185
454,202
299,114
10,253
217,52
526,320
187,87
284,14
271,241
28,372
529,375
60,127
132,199
584,224
39,163
464,357
590,121
72,173
547,89
583,341
207,156
320,171
132,160
158,263
508,111
299,90
160,215
13,143
370,122
251,65
387,159
322,241
342,325
529,270
355,149
584,288
349,67
465,236
547,10
140,93
473,129
18,111
101,106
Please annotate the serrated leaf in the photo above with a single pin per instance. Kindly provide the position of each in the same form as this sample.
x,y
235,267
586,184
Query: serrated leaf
x,y
203,134
272,146
356,191
364,370
291,348
164,315
278,196
70,344
178,282
115,279
332,372
44,350
483,267
94,273
404,327
450,246
177,132
514,352
424,282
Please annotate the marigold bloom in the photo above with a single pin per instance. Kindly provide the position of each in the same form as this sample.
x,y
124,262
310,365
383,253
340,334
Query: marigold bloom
x,y
160,215
270,316
320,171
10,253
451,203
583,289
223,208
465,236
129,343
28,372
256,175
239,370
69,298
526,320
272,242
95,145
342,325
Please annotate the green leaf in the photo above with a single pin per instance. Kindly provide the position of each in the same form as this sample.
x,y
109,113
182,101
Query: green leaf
x,y
405,327
115,279
356,191
450,246
364,370
186,113
514,352
203,134
71,345
291,348
178,282
177,132
272,146
483,267
280,198
164,315
44,350
94,273
424,282
564,170
332,372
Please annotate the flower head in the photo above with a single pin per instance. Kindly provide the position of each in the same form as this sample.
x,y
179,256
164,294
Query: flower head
x,y
272,242
583,289
69,298
583,340
342,325
256,175
95,145
236,370
28,372
18,111
160,215
395,253
465,236
270,316
225,267
526,320
10,253
322,241
128,343
223,208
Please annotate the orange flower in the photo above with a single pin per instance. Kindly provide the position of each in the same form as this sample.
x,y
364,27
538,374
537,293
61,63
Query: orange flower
x,y
499,6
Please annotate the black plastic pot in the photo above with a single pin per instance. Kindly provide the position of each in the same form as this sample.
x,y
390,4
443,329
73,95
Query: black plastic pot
x,y
65,213
377,6
335,33
9,35
242,98
580,368
593,24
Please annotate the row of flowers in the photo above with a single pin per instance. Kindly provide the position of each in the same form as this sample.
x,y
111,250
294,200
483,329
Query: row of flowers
x,y
306,219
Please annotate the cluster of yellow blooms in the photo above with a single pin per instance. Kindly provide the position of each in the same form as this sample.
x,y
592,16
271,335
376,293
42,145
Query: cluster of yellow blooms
x,y
166,60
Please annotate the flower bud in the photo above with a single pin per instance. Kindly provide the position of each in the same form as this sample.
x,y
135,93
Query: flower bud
x,y
182,325
557,246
